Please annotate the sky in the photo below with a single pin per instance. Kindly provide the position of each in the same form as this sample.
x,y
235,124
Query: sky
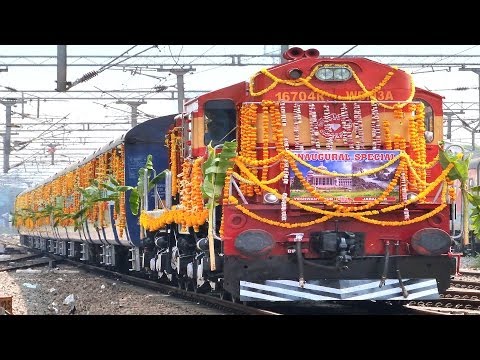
x,y
203,78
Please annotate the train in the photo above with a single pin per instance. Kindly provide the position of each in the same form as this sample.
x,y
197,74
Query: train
x,y
317,179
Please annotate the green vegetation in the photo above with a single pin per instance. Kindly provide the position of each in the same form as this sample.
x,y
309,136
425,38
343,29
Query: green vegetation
x,y
109,190
137,195
214,173
214,170
460,172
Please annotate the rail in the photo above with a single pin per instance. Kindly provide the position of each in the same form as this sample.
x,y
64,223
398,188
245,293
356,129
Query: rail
x,y
208,300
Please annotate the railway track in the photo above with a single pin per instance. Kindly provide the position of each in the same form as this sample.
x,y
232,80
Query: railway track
x,y
470,272
462,298
325,308
211,301
36,258
22,258
343,307
24,262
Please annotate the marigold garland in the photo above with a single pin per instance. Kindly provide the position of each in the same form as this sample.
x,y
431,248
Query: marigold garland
x,y
388,136
265,141
177,216
367,94
173,163
357,215
191,212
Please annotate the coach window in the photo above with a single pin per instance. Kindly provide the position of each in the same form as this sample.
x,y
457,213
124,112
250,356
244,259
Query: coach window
x,y
220,121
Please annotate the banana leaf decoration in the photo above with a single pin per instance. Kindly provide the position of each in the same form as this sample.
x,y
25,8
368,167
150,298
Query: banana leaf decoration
x,y
460,162
459,172
214,172
109,190
137,193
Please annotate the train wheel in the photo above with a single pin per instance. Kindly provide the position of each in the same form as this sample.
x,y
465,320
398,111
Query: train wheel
x,y
188,285
179,283
224,295
234,299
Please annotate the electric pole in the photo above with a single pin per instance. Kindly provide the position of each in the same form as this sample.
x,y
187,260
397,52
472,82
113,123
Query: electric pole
x,y
134,105
7,135
180,84
476,71
449,115
61,68
51,150
283,50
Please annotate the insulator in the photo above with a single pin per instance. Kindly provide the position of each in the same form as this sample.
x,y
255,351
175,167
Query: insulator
x,y
88,76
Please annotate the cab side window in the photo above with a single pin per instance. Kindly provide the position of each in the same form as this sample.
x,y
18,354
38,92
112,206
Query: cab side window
x,y
429,117
220,121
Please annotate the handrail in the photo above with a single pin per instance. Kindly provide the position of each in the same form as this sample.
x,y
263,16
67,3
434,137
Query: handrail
x,y
461,204
168,189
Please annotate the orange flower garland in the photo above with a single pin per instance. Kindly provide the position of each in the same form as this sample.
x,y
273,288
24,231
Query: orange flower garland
x,y
191,212
359,215
173,163
265,122
422,156
364,95
248,178
388,136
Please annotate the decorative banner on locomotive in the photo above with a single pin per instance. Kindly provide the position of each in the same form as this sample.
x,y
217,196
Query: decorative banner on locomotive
x,y
324,167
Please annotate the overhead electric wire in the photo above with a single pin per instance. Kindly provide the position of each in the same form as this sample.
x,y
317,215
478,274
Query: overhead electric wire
x,y
178,56
218,66
210,48
94,73
113,96
104,67
346,52
40,135
126,111
447,57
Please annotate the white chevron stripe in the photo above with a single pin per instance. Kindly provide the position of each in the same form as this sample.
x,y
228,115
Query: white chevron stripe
x,y
258,295
370,285
377,293
279,290
394,290
417,295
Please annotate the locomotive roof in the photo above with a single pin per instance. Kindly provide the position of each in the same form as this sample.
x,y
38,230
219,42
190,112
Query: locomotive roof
x,y
309,62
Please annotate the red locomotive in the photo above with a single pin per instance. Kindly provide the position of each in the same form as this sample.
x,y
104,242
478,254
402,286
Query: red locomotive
x,y
334,191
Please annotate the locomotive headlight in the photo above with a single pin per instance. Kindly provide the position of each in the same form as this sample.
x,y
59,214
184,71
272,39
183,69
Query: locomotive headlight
x,y
333,73
324,74
270,198
341,74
